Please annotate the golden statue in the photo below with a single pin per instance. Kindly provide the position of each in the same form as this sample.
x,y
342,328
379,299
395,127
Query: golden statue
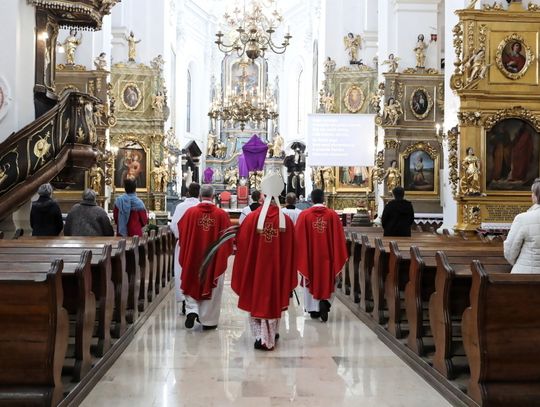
x,y
420,51
277,145
392,112
329,180
96,174
352,44
132,46
161,177
470,180
70,46
476,66
328,101
392,176
231,177
158,102
392,63
255,179
211,144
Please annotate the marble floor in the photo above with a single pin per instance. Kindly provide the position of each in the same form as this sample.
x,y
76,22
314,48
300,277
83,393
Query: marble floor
x,y
340,363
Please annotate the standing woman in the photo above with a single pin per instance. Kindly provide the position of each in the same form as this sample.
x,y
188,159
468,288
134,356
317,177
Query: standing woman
x,y
45,215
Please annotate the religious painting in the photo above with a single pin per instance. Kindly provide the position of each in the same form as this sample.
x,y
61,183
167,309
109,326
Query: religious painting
x,y
420,103
512,155
354,179
514,56
354,99
240,73
131,162
420,170
131,96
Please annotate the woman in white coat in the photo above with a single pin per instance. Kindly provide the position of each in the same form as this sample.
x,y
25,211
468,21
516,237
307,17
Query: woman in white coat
x,y
522,246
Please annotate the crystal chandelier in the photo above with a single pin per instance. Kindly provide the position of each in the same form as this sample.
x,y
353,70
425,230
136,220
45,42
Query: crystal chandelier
x,y
243,106
254,31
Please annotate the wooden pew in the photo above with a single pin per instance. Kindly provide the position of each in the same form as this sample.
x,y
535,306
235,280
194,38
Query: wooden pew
x,y
501,331
33,338
78,298
453,283
102,285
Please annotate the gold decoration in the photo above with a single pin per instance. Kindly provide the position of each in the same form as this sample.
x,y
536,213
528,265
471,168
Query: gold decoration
x,y
494,7
471,214
418,177
391,144
533,7
470,179
529,57
440,96
414,104
515,112
96,174
428,148
456,81
392,112
392,176
378,172
78,68
452,139
160,175
469,118
354,99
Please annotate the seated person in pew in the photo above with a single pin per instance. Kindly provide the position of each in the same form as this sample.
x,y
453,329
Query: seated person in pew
x,y
129,211
199,228
321,254
191,200
45,215
87,218
398,215
522,246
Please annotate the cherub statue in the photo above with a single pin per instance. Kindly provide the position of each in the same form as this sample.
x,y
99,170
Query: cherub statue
x,y
161,177
329,65
158,102
476,65
328,102
352,44
96,174
70,46
100,62
392,63
392,112
132,46
420,51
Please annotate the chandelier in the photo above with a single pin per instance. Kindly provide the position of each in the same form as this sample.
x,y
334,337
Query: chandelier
x,y
243,105
254,31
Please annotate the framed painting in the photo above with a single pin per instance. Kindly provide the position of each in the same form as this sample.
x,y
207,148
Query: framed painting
x,y
512,149
131,161
354,99
354,179
419,164
421,103
237,70
514,56
131,96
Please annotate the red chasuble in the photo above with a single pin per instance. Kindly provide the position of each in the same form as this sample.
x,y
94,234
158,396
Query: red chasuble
x,y
320,249
264,272
199,228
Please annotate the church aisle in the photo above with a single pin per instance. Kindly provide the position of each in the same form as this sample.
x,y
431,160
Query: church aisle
x,y
340,363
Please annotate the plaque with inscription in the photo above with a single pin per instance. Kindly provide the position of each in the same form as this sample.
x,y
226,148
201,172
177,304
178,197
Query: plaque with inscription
x,y
499,213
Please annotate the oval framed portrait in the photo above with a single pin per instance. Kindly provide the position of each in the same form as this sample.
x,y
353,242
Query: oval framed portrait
x,y
514,56
131,96
354,99
420,103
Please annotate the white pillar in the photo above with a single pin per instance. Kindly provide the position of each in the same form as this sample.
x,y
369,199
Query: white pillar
x,y
17,62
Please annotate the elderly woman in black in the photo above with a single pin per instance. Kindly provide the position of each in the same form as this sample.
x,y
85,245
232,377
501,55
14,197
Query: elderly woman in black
x,y
45,215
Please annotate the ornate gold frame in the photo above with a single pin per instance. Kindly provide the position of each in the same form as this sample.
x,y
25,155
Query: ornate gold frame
x,y
340,187
429,100
529,56
346,99
122,143
141,96
433,154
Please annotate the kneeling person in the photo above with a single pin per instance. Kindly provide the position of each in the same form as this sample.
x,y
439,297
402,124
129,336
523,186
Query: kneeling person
x,y
199,228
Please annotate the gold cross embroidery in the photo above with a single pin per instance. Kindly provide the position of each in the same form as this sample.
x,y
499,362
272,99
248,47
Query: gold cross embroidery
x,y
320,225
206,222
269,233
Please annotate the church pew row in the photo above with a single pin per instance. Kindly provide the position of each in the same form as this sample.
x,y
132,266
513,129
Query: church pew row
x,y
501,331
33,338
79,300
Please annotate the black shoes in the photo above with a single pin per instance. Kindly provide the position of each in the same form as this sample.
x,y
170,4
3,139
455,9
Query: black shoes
x,y
208,327
314,314
190,320
324,309
184,307
259,346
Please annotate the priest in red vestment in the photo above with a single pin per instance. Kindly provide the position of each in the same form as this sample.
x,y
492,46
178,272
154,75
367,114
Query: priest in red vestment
x,y
264,272
201,226
321,253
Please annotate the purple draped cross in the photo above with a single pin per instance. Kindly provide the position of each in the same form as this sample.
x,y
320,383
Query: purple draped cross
x,y
208,175
255,153
243,170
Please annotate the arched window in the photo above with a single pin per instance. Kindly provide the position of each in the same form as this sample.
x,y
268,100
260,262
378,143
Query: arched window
x,y
188,103
300,103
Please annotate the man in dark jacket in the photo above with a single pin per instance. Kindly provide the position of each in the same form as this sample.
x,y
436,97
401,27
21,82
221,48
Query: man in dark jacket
x,y
398,215
45,215
87,218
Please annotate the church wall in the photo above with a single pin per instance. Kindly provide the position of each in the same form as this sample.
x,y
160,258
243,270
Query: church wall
x,y
17,60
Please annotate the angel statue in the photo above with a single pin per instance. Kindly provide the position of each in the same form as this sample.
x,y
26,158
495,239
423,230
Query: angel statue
x,y
392,112
70,46
392,63
100,62
476,65
352,44
132,46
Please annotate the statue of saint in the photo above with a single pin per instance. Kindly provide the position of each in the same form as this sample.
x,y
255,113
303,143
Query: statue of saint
x,y
277,150
420,51
352,44
132,46
476,66
96,174
158,102
70,46
211,146
392,63
392,176
231,177
392,112
100,62
329,180
328,102
470,180
161,177
329,65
